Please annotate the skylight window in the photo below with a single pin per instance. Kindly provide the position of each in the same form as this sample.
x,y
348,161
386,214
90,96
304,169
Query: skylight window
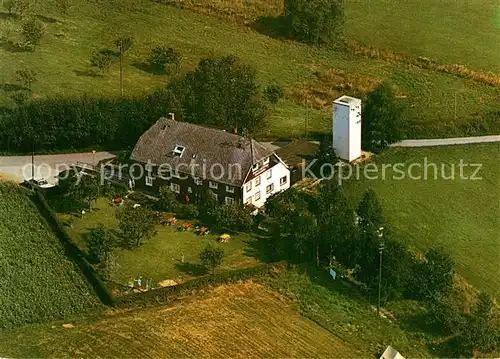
x,y
178,151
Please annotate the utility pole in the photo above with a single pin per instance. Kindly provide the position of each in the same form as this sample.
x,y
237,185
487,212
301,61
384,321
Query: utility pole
x,y
381,249
121,67
455,106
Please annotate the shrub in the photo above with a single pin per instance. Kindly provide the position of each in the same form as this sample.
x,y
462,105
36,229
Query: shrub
x,y
273,94
102,61
167,200
314,21
33,31
211,257
161,56
26,77
187,211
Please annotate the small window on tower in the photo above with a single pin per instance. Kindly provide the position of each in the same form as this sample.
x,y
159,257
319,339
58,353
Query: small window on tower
x,y
178,151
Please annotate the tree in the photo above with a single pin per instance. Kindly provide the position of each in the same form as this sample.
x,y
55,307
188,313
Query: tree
x,y
314,21
82,187
161,56
273,94
33,31
232,217
222,92
100,243
480,332
63,6
124,43
26,77
211,257
433,276
167,200
445,314
369,212
109,267
135,224
381,119
102,61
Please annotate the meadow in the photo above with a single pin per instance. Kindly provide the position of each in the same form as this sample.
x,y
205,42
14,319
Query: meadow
x,y
434,104
461,215
170,255
37,282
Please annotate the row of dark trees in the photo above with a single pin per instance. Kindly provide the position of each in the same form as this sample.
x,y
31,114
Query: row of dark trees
x,y
323,229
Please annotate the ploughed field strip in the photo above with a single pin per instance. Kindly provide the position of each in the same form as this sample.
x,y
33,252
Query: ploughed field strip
x,y
231,321
37,282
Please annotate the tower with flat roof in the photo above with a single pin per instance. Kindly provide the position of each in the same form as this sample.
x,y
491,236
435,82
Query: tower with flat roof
x,y
347,128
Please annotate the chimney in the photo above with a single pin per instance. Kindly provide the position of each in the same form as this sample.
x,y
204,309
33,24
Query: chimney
x,y
171,116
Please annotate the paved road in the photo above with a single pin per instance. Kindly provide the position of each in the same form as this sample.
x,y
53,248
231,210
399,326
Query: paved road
x,y
18,168
446,141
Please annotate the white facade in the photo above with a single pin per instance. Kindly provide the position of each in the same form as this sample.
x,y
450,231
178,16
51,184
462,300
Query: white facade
x,y
266,183
347,128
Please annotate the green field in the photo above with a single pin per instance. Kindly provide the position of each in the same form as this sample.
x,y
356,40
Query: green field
x,y
62,60
461,215
160,258
37,282
462,32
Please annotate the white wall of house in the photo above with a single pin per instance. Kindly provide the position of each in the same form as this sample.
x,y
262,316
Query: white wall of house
x,y
278,177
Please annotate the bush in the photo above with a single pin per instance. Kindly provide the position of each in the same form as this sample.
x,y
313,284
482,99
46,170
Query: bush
x,y
445,314
167,201
161,56
187,211
314,21
273,93
33,31
232,218
102,61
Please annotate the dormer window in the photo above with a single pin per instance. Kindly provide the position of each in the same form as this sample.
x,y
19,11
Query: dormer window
x,y
178,151
266,161
255,167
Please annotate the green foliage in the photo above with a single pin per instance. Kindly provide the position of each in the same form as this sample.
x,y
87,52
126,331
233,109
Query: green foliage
x,y
38,282
19,7
382,121
273,93
82,187
211,257
161,56
124,43
82,123
433,276
315,21
102,61
187,211
232,218
222,92
26,77
167,200
445,314
33,31
480,332
109,266
100,242
20,97
135,224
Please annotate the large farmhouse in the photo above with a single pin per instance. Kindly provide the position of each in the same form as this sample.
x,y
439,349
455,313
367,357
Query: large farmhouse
x,y
191,158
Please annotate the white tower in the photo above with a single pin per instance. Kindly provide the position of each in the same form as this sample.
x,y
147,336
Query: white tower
x,y
347,128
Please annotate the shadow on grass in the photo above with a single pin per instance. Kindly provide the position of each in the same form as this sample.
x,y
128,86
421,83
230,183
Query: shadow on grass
x,y
12,87
89,73
261,249
272,26
46,19
6,15
191,268
10,46
155,70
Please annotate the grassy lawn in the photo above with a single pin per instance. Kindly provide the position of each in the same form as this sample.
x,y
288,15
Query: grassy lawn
x,y
38,283
464,32
62,60
461,215
160,258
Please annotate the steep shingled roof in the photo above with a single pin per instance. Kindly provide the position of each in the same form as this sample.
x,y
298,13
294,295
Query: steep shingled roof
x,y
203,146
